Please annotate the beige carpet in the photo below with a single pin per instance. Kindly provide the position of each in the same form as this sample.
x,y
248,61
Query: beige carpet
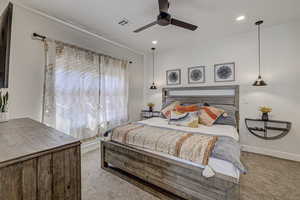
x,y
268,179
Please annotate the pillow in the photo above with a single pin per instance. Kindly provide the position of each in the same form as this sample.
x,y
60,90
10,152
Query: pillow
x,y
188,104
227,108
229,117
189,119
167,103
226,120
187,108
208,115
206,104
177,115
166,111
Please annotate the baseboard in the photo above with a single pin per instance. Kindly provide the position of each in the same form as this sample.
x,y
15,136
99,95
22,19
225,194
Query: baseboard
x,y
270,152
90,146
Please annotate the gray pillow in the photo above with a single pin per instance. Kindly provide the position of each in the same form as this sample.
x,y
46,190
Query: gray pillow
x,y
230,119
226,120
228,108
167,103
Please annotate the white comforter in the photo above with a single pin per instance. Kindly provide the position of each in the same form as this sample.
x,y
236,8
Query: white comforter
x,y
218,130
217,165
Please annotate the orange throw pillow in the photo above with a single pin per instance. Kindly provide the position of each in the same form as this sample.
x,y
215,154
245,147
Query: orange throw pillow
x,y
208,115
167,110
188,108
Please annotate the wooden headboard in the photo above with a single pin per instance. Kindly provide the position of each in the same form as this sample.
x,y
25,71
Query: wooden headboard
x,y
213,95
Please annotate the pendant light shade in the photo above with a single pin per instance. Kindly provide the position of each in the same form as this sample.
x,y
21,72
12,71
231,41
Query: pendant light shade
x,y
153,86
259,81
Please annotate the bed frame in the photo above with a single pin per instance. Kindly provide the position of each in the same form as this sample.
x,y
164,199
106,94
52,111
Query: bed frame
x,y
167,178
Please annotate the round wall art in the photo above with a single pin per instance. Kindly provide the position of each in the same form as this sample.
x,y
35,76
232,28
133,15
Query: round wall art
x,y
173,77
196,74
225,72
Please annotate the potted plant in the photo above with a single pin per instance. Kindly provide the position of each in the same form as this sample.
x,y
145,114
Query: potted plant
x,y
265,112
150,105
3,105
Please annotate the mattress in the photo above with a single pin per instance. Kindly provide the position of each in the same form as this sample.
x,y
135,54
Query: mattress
x,y
218,165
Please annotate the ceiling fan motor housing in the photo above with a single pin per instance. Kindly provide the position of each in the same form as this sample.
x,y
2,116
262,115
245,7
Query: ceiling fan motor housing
x,y
164,19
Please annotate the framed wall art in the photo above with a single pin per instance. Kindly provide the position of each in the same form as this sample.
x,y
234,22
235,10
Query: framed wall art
x,y
225,72
196,75
173,77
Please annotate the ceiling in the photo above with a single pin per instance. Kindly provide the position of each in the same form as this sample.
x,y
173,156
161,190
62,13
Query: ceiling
x,y
215,18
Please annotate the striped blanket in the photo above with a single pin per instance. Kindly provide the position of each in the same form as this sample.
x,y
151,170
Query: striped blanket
x,y
188,146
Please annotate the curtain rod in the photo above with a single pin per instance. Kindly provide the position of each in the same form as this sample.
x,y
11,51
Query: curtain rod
x,y
36,36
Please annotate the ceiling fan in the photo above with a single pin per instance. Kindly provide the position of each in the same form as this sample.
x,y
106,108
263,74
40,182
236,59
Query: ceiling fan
x,y
164,19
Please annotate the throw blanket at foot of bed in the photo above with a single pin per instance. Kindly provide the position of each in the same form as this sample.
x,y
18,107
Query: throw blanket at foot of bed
x,y
188,146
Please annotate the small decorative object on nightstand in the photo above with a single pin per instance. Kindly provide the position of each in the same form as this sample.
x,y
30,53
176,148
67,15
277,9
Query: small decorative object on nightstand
x,y
150,105
265,112
268,129
146,114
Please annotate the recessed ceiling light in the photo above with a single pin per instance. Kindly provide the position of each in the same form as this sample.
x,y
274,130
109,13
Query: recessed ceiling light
x,y
154,42
240,18
123,22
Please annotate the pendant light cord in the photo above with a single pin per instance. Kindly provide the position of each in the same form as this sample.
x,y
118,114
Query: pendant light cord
x,y
153,49
259,63
259,81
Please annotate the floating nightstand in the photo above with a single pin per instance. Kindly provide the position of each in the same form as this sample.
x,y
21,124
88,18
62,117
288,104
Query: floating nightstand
x,y
268,130
146,114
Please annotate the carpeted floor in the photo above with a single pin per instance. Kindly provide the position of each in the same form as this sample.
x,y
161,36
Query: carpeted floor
x,y
268,179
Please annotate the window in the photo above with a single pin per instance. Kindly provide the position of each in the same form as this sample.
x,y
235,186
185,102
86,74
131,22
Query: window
x,y
84,91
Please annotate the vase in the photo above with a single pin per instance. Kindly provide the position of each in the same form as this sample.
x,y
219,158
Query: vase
x,y
265,117
150,109
3,116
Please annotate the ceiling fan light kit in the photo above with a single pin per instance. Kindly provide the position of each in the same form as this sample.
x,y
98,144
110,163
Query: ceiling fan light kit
x,y
165,19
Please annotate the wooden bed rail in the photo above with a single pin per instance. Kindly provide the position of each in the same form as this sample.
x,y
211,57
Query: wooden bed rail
x,y
163,177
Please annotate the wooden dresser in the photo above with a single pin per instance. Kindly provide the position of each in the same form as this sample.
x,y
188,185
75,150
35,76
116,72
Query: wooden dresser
x,y
38,162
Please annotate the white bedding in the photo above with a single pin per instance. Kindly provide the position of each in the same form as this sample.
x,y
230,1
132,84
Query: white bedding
x,y
219,130
219,166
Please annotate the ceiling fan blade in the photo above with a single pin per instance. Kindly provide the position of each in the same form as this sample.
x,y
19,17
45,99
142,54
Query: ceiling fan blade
x,y
145,27
183,24
163,5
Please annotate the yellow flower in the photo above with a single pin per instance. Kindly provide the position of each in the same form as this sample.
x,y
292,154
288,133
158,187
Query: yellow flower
x,y
150,104
265,109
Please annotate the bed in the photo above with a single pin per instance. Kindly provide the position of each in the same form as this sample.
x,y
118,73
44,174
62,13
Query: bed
x,y
168,177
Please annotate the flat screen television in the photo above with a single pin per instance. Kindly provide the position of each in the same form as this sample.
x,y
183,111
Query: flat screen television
x,y
5,36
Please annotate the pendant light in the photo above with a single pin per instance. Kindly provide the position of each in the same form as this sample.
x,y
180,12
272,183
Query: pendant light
x,y
259,81
153,86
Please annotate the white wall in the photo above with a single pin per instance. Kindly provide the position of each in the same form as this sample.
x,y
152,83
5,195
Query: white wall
x,y
27,62
3,5
281,70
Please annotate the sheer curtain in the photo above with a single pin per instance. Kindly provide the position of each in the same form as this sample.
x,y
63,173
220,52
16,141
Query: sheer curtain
x,y
84,91
113,92
72,92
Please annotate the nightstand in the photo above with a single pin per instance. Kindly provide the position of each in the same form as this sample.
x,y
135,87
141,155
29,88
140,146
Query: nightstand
x,y
146,114
268,130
